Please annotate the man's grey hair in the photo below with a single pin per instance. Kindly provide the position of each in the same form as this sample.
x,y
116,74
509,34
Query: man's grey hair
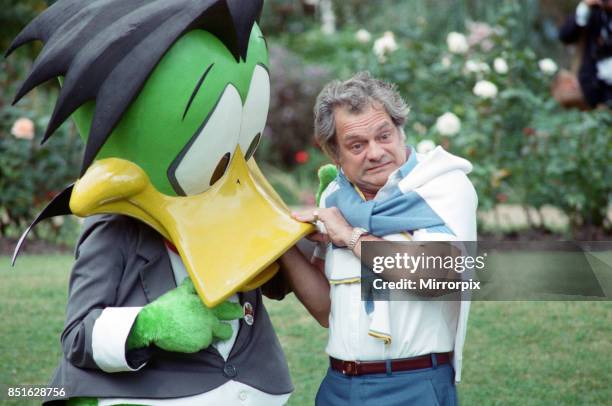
x,y
356,94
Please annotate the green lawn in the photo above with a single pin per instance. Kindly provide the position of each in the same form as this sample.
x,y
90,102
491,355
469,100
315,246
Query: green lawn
x,y
517,353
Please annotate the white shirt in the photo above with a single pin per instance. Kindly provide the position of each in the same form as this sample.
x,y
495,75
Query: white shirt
x,y
110,333
417,327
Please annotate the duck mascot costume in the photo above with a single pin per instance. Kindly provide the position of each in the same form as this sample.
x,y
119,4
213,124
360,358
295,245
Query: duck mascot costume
x,y
182,230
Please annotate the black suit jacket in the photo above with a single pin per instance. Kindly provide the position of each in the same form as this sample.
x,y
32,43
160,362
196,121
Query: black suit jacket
x,y
122,262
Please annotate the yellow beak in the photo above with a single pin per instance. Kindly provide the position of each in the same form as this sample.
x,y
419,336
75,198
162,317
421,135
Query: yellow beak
x,y
228,236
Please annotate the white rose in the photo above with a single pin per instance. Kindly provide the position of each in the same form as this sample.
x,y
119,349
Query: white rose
x,y
500,66
485,89
448,124
363,36
457,43
425,146
385,45
57,221
548,66
471,66
23,128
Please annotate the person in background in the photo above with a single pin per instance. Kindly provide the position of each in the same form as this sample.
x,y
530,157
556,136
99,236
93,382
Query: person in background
x,y
593,22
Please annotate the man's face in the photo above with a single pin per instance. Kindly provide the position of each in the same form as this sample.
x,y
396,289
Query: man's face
x,y
370,146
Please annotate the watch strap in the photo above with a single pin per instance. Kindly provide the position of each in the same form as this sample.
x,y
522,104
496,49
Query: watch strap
x,y
357,233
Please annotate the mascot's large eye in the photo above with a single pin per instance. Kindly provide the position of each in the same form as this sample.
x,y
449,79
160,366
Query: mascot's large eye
x,y
255,112
204,160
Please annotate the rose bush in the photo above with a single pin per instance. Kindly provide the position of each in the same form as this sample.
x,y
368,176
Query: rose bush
x,y
525,149
482,97
30,175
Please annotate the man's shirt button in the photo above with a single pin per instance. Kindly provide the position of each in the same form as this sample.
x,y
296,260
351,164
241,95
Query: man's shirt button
x,y
242,395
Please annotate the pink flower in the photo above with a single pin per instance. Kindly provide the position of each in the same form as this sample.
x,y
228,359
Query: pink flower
x,y
480,33
23,128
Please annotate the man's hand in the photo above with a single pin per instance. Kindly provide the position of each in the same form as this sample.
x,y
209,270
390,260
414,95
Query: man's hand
x,y
338,230
178,321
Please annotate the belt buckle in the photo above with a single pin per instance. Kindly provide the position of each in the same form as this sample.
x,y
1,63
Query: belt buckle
x,y
349,368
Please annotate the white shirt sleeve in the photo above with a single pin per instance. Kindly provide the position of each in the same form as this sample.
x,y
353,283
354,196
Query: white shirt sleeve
x,y
582,14
604,70
109,337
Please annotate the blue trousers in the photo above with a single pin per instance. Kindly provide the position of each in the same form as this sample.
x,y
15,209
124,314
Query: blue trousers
x,y
422,387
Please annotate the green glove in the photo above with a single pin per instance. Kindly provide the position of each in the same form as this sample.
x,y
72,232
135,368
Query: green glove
x,y
327,173
82,402
178,321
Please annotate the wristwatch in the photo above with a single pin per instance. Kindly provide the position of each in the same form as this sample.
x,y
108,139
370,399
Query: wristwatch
x,y
357,233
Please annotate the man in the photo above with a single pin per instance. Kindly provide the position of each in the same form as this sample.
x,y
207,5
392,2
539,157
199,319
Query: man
x,y
592,22
387,353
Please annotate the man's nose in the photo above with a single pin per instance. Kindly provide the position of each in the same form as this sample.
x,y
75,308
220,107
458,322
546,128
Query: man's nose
x,y
375,152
